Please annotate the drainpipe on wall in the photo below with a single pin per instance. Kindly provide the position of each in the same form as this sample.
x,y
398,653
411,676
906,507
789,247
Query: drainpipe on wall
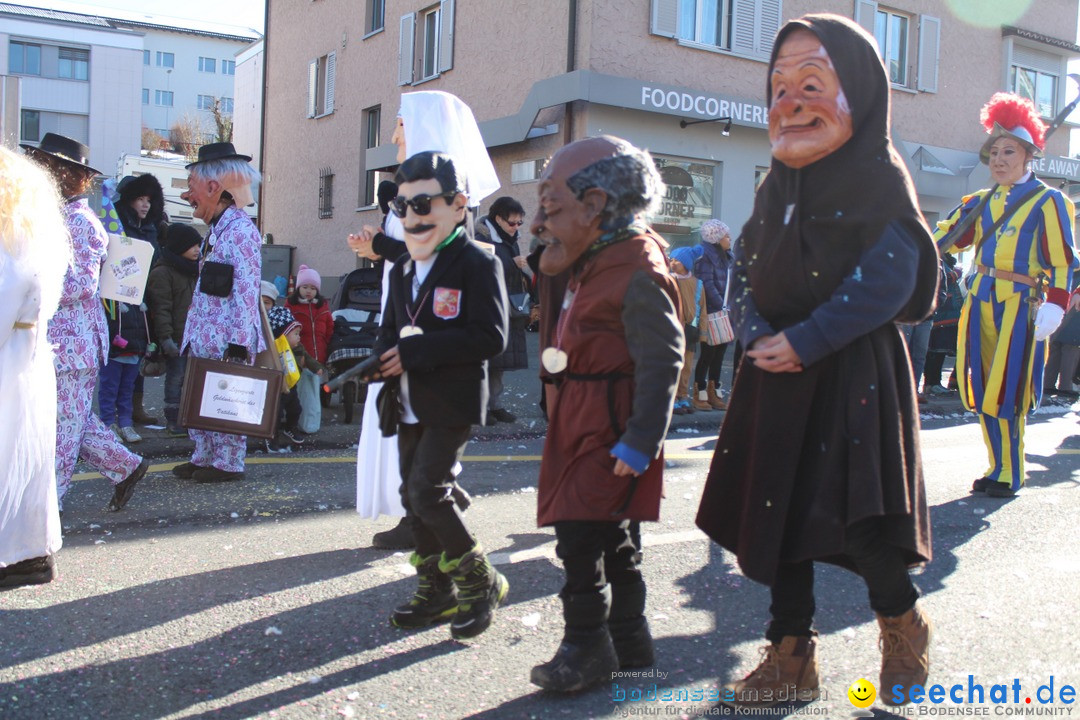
x,y
571,63
262,112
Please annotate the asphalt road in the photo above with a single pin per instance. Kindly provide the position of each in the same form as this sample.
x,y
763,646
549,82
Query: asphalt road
x,y
264,599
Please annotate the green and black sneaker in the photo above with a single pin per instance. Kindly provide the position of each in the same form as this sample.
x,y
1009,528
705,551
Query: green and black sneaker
x,y
480,589
434,601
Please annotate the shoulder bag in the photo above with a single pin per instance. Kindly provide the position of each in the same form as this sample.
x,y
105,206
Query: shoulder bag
x,y
718,328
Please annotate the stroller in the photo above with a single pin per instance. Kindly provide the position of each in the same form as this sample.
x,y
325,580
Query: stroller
x,y
357,306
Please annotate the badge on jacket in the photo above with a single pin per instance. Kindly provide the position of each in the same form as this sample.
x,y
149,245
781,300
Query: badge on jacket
x,y
446,303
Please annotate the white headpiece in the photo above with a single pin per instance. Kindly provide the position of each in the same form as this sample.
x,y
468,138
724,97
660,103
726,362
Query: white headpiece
x,y
441,122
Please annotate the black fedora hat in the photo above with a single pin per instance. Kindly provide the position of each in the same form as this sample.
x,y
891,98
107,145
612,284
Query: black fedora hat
x,y
218,151
63,148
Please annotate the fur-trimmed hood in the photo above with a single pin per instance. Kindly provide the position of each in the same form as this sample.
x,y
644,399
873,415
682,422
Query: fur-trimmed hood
x,y
133,186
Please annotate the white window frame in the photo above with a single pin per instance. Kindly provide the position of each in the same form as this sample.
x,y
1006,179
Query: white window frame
x,y
228,67
886,45
724,15
161,95
1016,68
160,59
22,125
146,96
227,104
430,23
526,171
146,57
204,102
374,17
208,62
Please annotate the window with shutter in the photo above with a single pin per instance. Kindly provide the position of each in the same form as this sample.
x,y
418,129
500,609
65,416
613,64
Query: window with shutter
x,y
406,49
313,87
331,72
866,14
446,35
929,49
665,18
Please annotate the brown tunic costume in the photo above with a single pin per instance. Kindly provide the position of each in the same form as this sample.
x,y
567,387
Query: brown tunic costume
x,y
594,407
803,455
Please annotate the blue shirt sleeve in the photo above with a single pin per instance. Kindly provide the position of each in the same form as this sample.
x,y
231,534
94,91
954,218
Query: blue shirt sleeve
x,y
869,297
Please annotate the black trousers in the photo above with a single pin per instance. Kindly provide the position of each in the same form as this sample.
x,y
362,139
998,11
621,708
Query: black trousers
x,y
427,457
710,359
595,553
290,409
881,565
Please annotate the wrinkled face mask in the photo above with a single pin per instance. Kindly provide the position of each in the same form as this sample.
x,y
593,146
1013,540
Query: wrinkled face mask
x,y
809,116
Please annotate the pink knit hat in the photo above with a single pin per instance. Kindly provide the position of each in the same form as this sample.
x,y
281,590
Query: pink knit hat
x,y
307,276
713,231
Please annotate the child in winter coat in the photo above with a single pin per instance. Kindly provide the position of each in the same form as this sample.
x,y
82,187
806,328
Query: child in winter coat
x,y
168,296
282,323
312,311
692,313
116,383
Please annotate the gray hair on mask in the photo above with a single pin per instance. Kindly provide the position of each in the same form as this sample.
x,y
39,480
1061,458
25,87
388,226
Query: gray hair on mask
x,y
630,180
232,168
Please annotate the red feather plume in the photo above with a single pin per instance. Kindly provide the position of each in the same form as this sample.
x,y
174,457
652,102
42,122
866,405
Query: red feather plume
x,y
1011,111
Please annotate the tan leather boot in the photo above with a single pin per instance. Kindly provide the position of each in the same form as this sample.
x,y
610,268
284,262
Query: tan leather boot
x,y
700,400
714,400
788,673
905,651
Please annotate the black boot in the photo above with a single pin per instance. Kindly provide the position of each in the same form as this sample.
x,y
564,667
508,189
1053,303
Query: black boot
x,y
434,600
586,654
480,588
628,626
399,537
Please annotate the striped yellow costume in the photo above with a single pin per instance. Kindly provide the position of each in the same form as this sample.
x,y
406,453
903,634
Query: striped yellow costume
x,y
995,378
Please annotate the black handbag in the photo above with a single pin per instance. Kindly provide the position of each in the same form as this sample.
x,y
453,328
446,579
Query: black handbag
x,y
692,333
216,279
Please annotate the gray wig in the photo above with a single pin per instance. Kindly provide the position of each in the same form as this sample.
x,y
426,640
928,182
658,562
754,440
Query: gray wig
x,y
630,180
232,169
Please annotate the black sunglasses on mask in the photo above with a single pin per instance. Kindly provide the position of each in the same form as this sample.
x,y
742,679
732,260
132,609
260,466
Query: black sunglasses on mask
x,y
421,204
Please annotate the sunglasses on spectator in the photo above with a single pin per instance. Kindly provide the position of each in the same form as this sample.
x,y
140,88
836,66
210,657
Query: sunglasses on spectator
x,y
421,204
514,223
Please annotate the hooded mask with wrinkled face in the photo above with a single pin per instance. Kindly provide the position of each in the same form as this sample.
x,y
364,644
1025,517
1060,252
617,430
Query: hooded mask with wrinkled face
x,y
566,224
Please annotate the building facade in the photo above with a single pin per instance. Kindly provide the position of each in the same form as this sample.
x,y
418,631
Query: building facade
x,y
662,73
76,76
102,80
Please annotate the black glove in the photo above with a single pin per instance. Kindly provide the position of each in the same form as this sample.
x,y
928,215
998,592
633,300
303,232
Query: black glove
x,y
236,352
168,346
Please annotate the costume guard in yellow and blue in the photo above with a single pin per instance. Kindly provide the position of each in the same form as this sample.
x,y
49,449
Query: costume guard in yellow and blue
x,y
1020,277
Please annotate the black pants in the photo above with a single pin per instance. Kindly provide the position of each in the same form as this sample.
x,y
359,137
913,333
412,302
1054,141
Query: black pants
x,y
881,565
290,409
935,362
427,457
595,553
710,358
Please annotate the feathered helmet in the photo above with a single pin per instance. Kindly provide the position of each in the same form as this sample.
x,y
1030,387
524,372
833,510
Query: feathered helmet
x,y
1012,116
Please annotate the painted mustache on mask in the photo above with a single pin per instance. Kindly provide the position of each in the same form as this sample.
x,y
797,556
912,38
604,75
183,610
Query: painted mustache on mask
x,y
417,229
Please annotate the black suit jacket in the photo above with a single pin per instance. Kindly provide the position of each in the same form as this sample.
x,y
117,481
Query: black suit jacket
x,y
463,313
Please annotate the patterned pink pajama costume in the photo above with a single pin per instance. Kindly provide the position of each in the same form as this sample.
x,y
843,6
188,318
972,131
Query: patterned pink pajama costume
x,y
213,323
81,338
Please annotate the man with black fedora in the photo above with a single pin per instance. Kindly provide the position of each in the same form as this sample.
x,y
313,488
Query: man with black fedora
x,y
79,333
223,321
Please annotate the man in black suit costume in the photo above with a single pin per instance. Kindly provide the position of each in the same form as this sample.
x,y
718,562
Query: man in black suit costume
x,y
446,316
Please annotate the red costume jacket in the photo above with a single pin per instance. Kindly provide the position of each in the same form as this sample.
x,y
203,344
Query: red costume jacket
x,y
316,327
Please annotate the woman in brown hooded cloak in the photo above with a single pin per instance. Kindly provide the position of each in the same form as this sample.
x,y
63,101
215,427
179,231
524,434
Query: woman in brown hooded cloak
x,y
818,457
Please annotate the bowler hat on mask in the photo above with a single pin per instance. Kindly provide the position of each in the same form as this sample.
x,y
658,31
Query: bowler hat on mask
x,y
217,151
63,148
179,238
